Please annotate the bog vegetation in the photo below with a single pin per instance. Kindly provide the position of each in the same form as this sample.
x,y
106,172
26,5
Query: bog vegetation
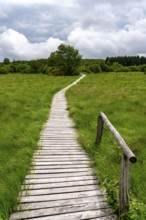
x,y
121,97
24,107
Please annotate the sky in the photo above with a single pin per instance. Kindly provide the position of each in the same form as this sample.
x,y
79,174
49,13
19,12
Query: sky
x,y
32,29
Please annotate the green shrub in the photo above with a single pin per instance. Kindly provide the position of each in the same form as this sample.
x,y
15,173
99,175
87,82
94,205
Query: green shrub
x,y
134,68
3,70
95,68
84,69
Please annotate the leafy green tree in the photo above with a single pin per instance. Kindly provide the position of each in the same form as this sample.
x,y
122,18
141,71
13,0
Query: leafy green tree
x,y
67,59
35,66
6,61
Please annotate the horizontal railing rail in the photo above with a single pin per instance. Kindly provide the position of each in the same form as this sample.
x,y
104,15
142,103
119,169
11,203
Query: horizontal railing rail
x,y
127,157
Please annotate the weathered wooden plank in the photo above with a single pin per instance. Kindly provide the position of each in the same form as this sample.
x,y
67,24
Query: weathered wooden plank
x,y
42,198
60,203
63,210
69,170
59,152
57,175
60,142
36,192
78,215
60,159
60,179
59,166
84,156
61,162
59,137
109,217
69,156
60,184
47,146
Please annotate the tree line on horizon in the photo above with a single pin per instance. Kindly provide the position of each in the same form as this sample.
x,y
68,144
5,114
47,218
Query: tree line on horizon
x,y
127,60
66,60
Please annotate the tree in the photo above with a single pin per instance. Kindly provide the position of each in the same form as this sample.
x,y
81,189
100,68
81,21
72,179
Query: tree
x,y
35,66
6,61
67,59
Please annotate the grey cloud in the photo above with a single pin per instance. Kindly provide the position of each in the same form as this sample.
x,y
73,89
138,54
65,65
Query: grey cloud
x,y
97,28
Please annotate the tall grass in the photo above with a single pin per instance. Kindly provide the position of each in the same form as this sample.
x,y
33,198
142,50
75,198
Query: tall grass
x,y
122,97
25,101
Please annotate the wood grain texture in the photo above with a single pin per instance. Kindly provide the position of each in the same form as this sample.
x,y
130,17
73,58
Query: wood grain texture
x,y
61,184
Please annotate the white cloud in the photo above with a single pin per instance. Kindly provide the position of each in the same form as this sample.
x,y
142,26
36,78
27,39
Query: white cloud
x,y
94,44
97,28
16,46
40,2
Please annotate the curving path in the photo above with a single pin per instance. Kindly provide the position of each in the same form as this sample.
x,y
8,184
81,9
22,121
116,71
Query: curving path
x,y
61,185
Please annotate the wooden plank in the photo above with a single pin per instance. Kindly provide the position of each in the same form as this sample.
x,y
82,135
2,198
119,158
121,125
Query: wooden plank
x,y
53,159
58,152
69,170
60,203
61,162
84,156
109,217
60,184
67,209
60,179
63,142
57,175
69,156
42,198
59,166
78,215
36,192
47,146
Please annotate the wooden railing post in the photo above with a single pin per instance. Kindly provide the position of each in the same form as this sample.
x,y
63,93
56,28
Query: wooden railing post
x,y
124,186
99,130
127,157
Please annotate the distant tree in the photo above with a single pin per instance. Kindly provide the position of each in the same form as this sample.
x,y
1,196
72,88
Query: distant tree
x,y
6,61
67,59
104,67
35,66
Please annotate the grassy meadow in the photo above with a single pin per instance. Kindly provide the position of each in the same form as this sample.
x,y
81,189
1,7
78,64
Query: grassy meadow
x,y
25,101
122,97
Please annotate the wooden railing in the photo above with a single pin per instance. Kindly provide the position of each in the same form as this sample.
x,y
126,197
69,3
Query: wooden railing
x,y
127,157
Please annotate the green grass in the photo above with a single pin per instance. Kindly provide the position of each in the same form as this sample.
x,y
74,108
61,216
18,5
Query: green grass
x,y
25,101
122,97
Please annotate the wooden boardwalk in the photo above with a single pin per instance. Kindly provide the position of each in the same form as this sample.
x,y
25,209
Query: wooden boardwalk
x,y
61,185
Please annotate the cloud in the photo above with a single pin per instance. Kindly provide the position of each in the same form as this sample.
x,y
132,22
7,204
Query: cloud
x,y
95,44
66,3
16,46
3,14
97,28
